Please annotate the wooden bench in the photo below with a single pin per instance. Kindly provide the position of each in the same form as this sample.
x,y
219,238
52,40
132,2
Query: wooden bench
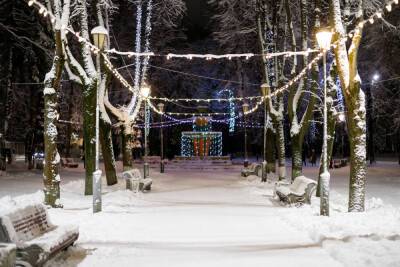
x,y
252,169
300,191
338,163
69,163
7,255
37,240
135,182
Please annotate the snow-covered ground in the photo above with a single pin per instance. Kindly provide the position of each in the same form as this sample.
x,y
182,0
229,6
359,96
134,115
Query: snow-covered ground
x,y
217,218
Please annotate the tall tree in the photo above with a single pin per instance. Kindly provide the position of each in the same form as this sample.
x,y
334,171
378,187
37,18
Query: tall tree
x,y
354,97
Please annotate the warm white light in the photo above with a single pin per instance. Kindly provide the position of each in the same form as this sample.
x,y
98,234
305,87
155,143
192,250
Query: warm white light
x,y
145,91
99,34
30,3
389,7
396,1
342,117
324,38
245,108
161,107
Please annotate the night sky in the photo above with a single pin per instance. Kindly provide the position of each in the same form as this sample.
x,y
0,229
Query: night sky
x,y
197,20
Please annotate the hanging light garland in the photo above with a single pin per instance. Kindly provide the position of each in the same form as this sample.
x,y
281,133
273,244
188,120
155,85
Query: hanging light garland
x,y
46,13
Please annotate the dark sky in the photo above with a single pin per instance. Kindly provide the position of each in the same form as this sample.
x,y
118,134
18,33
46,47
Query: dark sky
x,y
197,20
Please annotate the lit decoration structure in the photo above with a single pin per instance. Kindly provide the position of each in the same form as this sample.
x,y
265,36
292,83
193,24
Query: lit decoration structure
x,y
202,141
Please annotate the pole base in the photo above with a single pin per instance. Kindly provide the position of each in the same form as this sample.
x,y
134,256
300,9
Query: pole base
x,y
97,191
162,167
264,177
246,163
145,170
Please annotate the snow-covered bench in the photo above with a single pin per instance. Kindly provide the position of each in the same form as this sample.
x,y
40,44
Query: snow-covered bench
x,y
338,163
135,182
7,255
300,191
252,169
36,238
69,163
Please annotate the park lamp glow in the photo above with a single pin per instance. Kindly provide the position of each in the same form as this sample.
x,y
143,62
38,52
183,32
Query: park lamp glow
x,y
376,77
245,107
161,107
99,35
324,38
342,117
145,91
265,89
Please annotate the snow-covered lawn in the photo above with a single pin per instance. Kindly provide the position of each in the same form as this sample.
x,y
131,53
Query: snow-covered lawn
x,y
217,218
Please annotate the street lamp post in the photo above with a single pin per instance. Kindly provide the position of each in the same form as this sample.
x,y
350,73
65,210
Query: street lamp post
x,y
245,107
264,91
324,38
161,109
99,35
145,91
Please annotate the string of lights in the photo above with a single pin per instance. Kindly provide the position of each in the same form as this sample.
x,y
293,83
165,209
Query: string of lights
x,y
46,13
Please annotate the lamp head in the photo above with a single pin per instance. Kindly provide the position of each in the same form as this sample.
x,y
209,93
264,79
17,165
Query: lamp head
x,y
161,107
376,77
99,35
324,38
342,117
245,107
145,90
265,89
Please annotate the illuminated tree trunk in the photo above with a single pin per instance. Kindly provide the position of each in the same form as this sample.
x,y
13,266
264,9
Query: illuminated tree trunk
x,y
127,137
89,134
280,144
270,151
51,177
107,152
355,102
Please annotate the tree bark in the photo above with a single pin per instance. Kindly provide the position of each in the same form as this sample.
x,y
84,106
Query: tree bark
x,y
51,177
107,151
89,134
355,102
280,143
270,151
127,136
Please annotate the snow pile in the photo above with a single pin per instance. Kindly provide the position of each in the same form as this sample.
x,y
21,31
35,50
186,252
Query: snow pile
x,y
342,225
10,205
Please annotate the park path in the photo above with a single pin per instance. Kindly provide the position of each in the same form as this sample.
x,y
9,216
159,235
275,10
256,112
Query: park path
x,y
190,219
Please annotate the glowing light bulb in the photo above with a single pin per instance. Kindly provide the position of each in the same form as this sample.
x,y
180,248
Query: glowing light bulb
x,y
389,7
31,2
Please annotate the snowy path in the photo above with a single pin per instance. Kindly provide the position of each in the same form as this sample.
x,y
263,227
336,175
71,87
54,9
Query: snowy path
x,y
194,218
201,220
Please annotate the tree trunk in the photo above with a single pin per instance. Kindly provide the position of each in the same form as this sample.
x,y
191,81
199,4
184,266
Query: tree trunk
x,y
357,136
355,102
297,160
89,134
127,136
270,151
51,177
107,151
280,143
